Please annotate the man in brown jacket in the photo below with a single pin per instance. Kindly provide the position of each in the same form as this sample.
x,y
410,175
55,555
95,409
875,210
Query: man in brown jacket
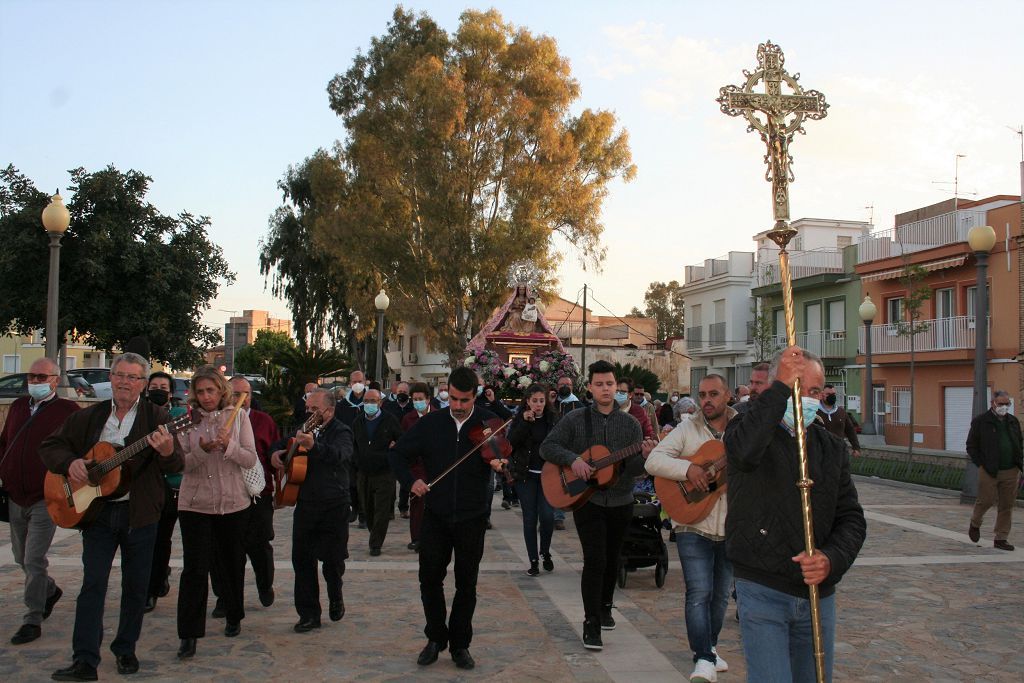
x,y
837,420
129,522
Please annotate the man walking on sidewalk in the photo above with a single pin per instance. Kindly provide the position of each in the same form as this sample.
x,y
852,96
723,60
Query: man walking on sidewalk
x,y
995,445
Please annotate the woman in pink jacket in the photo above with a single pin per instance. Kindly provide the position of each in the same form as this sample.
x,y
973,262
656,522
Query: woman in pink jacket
x,y
213,505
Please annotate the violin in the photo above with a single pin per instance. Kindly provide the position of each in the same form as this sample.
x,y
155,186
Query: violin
x,y
489,441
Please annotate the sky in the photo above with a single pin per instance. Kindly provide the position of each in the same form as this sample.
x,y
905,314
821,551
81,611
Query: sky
x,y
214,100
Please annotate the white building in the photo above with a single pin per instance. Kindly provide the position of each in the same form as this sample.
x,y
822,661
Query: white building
x,y
410,359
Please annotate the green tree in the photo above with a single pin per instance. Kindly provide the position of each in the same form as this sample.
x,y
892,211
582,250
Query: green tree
x,y
664,302
910,327
639,375
761,331
463,155
255,358
126,269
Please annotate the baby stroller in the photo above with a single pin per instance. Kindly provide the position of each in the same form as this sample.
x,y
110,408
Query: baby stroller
x,y
643,545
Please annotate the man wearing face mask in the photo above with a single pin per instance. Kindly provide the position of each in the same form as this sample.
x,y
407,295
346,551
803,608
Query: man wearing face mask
x,y
374,433
348,409
764,527
639,397
666,414
836,419
996,446
402,403
625,404
421,406
440,401
30,420
567,399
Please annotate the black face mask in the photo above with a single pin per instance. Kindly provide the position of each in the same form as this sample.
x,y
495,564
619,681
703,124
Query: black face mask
x,y
564,392
830,400
159,397
402,397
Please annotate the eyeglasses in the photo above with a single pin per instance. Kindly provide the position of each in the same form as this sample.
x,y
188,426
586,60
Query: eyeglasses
x,y
125,375
39,377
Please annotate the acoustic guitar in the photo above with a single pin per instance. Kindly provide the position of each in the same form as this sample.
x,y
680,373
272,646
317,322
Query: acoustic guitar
x,y
293,466
566,491
684,502
75,506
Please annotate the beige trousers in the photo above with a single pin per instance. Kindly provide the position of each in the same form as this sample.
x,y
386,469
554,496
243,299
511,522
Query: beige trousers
x,y
1000,491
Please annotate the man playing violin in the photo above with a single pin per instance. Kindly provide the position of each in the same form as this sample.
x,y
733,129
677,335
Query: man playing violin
x,y
455,513
701,544
130,522
600,523
320,522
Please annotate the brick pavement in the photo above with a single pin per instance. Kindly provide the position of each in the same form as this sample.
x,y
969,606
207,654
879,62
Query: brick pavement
x,y
922,603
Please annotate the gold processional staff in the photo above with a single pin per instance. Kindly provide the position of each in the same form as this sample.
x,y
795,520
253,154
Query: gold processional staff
x,y
777,117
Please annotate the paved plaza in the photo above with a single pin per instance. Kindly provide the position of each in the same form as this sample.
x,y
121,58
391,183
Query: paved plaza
x,y
922,603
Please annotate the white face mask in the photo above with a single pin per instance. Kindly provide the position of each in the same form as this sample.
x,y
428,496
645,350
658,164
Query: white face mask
x,y
674,399
442,395
1002,410
358,388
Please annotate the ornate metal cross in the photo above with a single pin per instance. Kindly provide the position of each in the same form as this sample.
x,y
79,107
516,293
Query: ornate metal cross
x,y
783,115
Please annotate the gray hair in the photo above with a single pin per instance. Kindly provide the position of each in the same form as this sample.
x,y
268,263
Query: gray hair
x,y
54,365
999,393
330,400
134,359
686,403
773,369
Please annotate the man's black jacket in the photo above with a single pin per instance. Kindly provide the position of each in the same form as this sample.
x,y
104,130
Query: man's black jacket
x,y
372,454
764,527
983,442
327,466
466,492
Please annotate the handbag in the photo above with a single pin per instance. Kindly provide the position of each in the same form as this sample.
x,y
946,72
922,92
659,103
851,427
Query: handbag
x,y
255,479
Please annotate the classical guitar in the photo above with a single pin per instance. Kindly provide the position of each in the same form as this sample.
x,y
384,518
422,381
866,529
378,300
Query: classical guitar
x,y
684,502
293,466
76,505
565,490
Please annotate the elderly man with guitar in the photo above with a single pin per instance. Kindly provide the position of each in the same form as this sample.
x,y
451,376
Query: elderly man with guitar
x,y
596,488
126,518
689,470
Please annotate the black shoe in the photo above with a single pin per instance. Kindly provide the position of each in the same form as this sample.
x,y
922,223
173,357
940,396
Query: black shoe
x,y
306,625
463,659
187,648
489,525
26,634
592,635
1002,545
267,597
362,524
79,671
50,602
150,604
414,546
165,588
127,664
337,609
973,533
548,565
375,552
218,611
429,653
607,622
505,505
232,629
534,570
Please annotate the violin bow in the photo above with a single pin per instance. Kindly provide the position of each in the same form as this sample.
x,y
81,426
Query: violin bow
x,y
471,452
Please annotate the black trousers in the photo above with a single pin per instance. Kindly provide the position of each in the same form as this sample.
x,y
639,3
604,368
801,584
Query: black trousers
x,y
259,532
162,549
319,533
601,530
207,540
377,494
439,539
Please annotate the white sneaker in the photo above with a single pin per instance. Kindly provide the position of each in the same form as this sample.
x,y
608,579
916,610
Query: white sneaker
x,y
704,672
721,666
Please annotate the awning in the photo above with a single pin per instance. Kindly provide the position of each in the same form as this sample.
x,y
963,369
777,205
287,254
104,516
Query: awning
x,y
934,265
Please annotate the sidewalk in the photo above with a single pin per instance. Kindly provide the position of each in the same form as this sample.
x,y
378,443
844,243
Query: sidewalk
x,y
922,603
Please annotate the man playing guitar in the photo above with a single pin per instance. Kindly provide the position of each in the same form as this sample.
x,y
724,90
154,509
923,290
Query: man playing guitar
x,y
130,522
601,522
701,544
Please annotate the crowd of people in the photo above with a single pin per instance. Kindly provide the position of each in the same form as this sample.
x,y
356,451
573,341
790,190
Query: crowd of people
x,y
217,475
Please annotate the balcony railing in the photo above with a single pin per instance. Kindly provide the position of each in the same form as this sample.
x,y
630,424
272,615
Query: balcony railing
x,y
801,264
694,337
949,228
941,334
824,343
717,334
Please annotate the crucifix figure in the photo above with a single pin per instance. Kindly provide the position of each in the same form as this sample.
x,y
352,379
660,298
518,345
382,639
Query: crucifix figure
x,y
777,117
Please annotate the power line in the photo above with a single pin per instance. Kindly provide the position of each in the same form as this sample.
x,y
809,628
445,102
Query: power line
x,y
642,334
569,314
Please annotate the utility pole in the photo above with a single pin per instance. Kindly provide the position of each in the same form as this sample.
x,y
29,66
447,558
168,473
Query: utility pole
x,y
583,353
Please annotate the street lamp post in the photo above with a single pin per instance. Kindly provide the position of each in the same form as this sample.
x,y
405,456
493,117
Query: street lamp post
x,y
868,311
55,221
381,302
981,239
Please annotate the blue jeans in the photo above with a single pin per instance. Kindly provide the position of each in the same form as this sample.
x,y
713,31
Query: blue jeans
x,y
708,576
535,508
99,544
776,631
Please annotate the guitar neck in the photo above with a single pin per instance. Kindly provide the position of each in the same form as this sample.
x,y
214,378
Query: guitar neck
x,y
128,452
617,456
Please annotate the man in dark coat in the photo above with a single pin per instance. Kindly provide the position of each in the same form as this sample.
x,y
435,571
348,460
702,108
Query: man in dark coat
x,y
994,444
374,433
837,420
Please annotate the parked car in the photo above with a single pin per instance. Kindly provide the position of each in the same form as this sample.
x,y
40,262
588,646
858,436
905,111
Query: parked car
x,y
99,378
17,385
180,393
